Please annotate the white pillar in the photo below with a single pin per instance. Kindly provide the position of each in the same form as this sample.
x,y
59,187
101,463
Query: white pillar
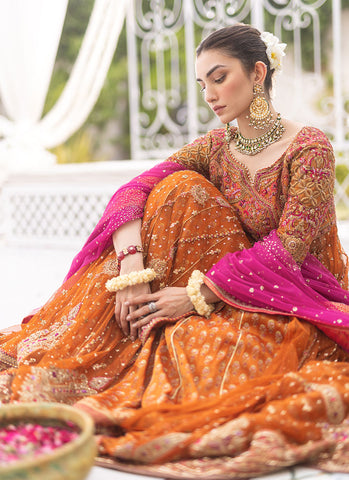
x,y
337,73
257,14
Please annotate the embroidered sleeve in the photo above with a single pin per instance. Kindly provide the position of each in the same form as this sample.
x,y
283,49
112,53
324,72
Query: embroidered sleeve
x,y
195,155
309,209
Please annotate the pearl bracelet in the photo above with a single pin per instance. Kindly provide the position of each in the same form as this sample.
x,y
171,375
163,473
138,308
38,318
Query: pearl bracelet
x,y
119,283
197,299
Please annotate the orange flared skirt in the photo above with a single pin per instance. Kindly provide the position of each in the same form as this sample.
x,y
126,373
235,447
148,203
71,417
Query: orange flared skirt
x,y
234,395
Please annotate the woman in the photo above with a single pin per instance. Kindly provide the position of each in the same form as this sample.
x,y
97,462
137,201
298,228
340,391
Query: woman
x,y
228,354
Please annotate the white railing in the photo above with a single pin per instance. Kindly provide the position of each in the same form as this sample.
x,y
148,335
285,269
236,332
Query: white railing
x,y
166,109
61,206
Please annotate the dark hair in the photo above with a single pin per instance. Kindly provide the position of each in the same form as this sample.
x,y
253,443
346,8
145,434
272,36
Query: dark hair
x,y
242,42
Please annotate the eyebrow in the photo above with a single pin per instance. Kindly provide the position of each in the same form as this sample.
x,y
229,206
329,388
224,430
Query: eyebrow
x,y
211,71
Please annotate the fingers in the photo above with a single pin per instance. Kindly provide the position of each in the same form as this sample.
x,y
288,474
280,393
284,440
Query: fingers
x,y
117,312
143,311
139,307
123,307
121,312
141,317
143,299
138,317
125,325
133,330
137,326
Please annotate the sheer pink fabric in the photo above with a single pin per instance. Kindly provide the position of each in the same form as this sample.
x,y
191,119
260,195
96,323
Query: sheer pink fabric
x,y
266,278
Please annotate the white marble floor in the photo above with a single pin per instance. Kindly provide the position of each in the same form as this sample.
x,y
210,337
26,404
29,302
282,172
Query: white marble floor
x,y
28,276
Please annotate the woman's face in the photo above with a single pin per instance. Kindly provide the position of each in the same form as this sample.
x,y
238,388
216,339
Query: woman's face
x,y
226,86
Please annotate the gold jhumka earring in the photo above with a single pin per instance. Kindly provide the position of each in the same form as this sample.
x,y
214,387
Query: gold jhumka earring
x,y
260,114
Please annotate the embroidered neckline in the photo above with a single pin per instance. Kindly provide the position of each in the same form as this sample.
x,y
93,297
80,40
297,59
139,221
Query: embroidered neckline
x,y
252,178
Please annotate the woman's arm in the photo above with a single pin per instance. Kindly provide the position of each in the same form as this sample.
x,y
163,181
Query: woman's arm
x,y
128,234
309,210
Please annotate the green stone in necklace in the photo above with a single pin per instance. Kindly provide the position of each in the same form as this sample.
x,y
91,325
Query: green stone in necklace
x,y
252,146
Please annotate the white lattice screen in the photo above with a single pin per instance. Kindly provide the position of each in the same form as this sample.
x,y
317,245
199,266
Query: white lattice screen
x,y
61,209
64,214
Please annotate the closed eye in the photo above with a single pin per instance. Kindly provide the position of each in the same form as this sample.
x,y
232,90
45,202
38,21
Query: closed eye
x,y
220,79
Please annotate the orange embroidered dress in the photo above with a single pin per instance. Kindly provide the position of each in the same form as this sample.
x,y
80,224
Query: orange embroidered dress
x,y
244,392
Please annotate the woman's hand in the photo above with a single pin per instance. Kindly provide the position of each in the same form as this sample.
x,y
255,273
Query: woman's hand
x,y
131,263
169,302
124,304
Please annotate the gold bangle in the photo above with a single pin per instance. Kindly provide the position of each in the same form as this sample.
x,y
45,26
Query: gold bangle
x,y
119,283
197,299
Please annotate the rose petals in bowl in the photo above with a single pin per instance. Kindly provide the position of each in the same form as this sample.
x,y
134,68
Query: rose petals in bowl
x,y
21,440
45,441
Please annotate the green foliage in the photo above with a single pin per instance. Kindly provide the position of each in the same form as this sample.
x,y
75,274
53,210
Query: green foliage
x,y
342,171
78,149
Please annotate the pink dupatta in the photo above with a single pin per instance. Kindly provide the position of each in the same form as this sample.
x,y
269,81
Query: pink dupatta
x,y
266,278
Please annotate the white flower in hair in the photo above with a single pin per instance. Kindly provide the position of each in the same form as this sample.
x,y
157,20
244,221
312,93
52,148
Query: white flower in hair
x,y
275,49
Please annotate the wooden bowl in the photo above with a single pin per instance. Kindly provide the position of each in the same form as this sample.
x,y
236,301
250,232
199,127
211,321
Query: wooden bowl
x,y
71,461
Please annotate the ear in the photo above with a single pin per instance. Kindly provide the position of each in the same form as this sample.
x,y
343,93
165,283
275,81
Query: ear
x,y
260,72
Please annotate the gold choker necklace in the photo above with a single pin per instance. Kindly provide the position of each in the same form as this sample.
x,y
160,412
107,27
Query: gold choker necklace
x,y
252,146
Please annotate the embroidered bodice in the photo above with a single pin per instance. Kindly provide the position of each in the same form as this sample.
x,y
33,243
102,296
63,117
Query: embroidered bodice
x,y
258,201
293,196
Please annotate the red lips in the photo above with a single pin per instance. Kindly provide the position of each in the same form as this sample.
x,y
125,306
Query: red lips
x,y
218,108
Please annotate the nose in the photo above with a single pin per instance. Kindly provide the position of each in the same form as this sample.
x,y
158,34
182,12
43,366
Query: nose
x,y
210,94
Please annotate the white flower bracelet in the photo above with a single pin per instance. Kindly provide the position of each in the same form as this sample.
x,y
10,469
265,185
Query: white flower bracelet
x,y
119,283
197,299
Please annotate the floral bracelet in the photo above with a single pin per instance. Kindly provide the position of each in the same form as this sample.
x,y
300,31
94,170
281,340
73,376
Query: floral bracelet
x,y
119,283
197,299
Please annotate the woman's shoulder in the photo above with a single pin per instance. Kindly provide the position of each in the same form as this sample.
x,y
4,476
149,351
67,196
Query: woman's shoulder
x,y
217,135
310,146
216,139
305,136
